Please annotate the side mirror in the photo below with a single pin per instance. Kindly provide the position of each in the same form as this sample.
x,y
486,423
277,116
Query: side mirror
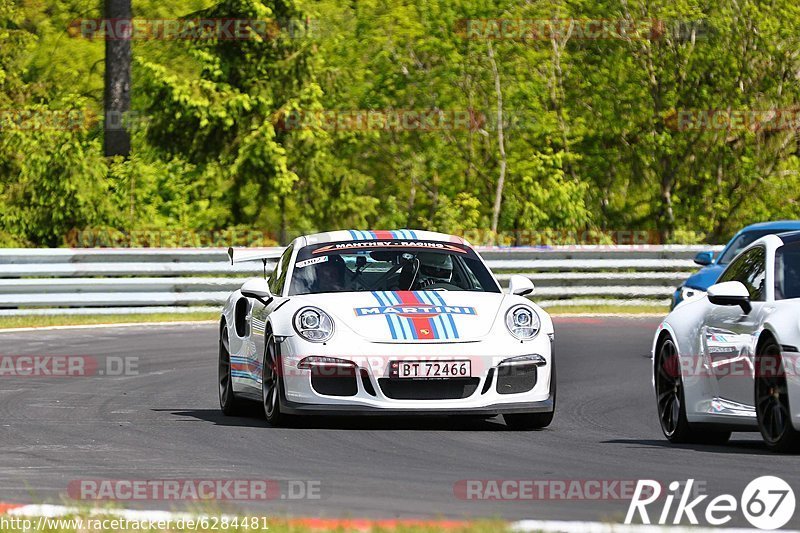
x,y
730,293
704,258
257,288
520,285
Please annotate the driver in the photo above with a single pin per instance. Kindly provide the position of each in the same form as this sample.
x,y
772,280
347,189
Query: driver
x,y
434,268
330,275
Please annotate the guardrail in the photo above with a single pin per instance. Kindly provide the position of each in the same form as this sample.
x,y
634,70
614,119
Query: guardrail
x,y
124,281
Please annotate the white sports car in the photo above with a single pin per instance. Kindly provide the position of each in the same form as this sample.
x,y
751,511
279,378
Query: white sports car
x,y
728,360
385,322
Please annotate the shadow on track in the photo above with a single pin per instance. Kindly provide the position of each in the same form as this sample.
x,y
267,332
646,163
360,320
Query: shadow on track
x,y
254,417
745,447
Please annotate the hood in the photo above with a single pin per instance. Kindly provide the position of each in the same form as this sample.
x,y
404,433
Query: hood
x,y
705,277
411,316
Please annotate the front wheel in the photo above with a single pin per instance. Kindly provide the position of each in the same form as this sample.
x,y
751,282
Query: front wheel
x,y
271,385
672,405
772,401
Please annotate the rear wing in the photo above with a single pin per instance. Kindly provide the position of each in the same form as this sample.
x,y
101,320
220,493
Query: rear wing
x,y
263,255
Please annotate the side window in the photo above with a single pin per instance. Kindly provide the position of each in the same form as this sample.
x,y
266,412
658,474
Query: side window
x,y
787,271
751,270
464,277
278,277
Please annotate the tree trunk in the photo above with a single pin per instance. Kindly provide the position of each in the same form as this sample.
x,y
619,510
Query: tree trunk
x,y
498,195
116,140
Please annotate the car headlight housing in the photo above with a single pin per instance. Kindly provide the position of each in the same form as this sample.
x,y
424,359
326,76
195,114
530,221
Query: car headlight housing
x,y
522,322
313,324
688,293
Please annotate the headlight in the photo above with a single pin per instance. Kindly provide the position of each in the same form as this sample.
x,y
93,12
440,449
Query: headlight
x,y
522,322
533,359
313,324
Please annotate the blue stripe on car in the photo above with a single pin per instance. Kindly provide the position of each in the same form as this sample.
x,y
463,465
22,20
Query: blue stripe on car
x,y
437,322
382,303
449,317
405,323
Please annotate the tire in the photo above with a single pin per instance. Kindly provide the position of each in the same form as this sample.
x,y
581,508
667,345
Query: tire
x,y
524,421
271,385
672,405
228,402
772,401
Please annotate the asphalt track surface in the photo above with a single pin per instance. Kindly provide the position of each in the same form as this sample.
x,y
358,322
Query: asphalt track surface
x,y
164,423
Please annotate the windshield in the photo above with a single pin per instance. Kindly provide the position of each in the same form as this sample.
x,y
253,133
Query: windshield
x,y
787,272
743,241
389,266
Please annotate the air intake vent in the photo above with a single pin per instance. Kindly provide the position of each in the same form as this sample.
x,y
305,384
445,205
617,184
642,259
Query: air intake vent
x,y
367,383
334,381
514,379
428,389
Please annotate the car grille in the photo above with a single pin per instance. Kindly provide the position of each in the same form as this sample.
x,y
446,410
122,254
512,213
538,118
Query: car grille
x,y
516,379
428,389
334,382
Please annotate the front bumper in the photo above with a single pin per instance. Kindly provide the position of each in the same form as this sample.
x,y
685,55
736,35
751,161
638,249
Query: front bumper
x,y
490,391
544,406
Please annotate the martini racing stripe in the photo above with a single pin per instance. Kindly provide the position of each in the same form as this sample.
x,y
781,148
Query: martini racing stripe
x,y
405,324
446,320
242,367
444,330
389,318
448,317
438,326
422,326
399,327
360,235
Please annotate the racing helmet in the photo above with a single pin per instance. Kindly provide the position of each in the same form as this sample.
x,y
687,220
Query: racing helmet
x,y
434,268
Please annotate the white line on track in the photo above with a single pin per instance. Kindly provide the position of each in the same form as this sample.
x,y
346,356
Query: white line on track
x,y
205,322
121,325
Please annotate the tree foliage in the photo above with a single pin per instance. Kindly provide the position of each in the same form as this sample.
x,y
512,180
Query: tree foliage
x,y
595,134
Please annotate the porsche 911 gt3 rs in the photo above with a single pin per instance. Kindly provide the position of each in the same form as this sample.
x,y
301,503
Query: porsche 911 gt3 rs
x,y
396,322
729,360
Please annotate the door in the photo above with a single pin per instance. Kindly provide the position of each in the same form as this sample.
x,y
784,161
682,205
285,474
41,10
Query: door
x,y
260,312
730,334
